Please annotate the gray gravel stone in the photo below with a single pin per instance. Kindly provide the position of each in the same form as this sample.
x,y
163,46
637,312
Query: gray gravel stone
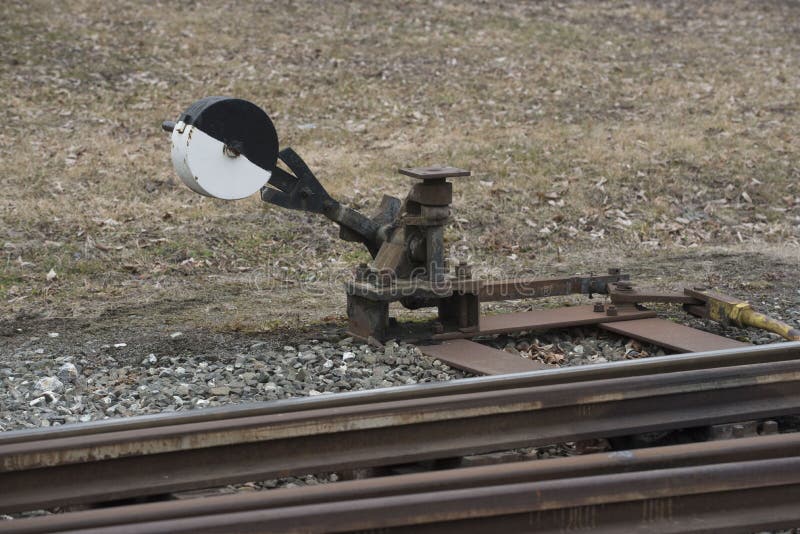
x,y
48,384
38,388
68,373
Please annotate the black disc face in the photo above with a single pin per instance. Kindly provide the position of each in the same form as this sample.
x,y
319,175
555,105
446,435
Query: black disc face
x,y
239,124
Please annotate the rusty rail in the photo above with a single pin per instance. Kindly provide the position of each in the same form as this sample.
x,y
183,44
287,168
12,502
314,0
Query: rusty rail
x,y
747,484
566,375
144,461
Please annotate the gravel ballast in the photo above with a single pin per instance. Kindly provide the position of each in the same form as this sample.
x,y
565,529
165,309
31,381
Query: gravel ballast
x,y
41,388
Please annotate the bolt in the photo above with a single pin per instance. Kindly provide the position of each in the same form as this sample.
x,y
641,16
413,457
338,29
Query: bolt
x,y
611,310
614,271
463,271
599,308
769,427
386,277
361,272
623,285
738,431
230,151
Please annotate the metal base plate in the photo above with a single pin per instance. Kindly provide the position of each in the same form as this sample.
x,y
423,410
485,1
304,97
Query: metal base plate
x,y
480,359
672,336
548,319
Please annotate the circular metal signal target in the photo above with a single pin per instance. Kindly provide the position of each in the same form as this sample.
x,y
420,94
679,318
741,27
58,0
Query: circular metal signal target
x,y
224,147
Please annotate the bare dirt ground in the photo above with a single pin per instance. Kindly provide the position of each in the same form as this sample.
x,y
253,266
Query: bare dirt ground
x,y
661,137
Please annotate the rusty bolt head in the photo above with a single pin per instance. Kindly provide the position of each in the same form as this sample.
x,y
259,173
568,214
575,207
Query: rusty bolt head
x,y
769,427
362,272
386,277
463,271
624,285
611,310
599,307
230,151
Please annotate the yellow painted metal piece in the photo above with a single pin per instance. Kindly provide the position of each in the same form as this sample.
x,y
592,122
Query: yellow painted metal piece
x,y
742,314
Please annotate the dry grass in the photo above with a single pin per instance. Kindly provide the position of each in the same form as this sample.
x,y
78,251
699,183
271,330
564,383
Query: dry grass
x,y
594,129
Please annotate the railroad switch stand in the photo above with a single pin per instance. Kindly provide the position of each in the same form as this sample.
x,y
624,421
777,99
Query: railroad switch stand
x,y
410,266
228,148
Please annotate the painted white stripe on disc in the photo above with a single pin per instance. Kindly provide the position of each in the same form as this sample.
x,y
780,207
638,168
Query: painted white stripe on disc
x,y
202,165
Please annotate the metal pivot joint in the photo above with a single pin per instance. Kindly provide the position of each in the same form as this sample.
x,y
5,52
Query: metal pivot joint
x,y
414,255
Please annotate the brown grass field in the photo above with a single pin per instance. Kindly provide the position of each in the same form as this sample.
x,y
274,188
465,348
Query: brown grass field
x,y
658,136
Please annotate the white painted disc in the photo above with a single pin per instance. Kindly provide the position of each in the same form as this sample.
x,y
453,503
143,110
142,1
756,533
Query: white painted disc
x,y
203,164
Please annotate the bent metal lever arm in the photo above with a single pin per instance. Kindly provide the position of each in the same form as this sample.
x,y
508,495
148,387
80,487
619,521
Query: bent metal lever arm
x,y
302,191
227,148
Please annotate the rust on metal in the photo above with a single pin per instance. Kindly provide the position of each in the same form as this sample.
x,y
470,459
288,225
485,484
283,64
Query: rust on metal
x,y
750,354
480,359
406,240
681,488
747,496
688,455
434,172
526,288
117,465
671,335
440,194
547,319
634,295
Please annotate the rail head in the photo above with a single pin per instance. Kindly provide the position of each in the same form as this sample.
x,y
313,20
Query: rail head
x,y
654,365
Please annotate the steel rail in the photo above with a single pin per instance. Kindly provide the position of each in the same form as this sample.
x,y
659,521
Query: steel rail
x,y
117,465
732,497
694,454
646,366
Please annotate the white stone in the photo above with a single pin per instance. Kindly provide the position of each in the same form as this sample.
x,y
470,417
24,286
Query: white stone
x,y
49,383
68,372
